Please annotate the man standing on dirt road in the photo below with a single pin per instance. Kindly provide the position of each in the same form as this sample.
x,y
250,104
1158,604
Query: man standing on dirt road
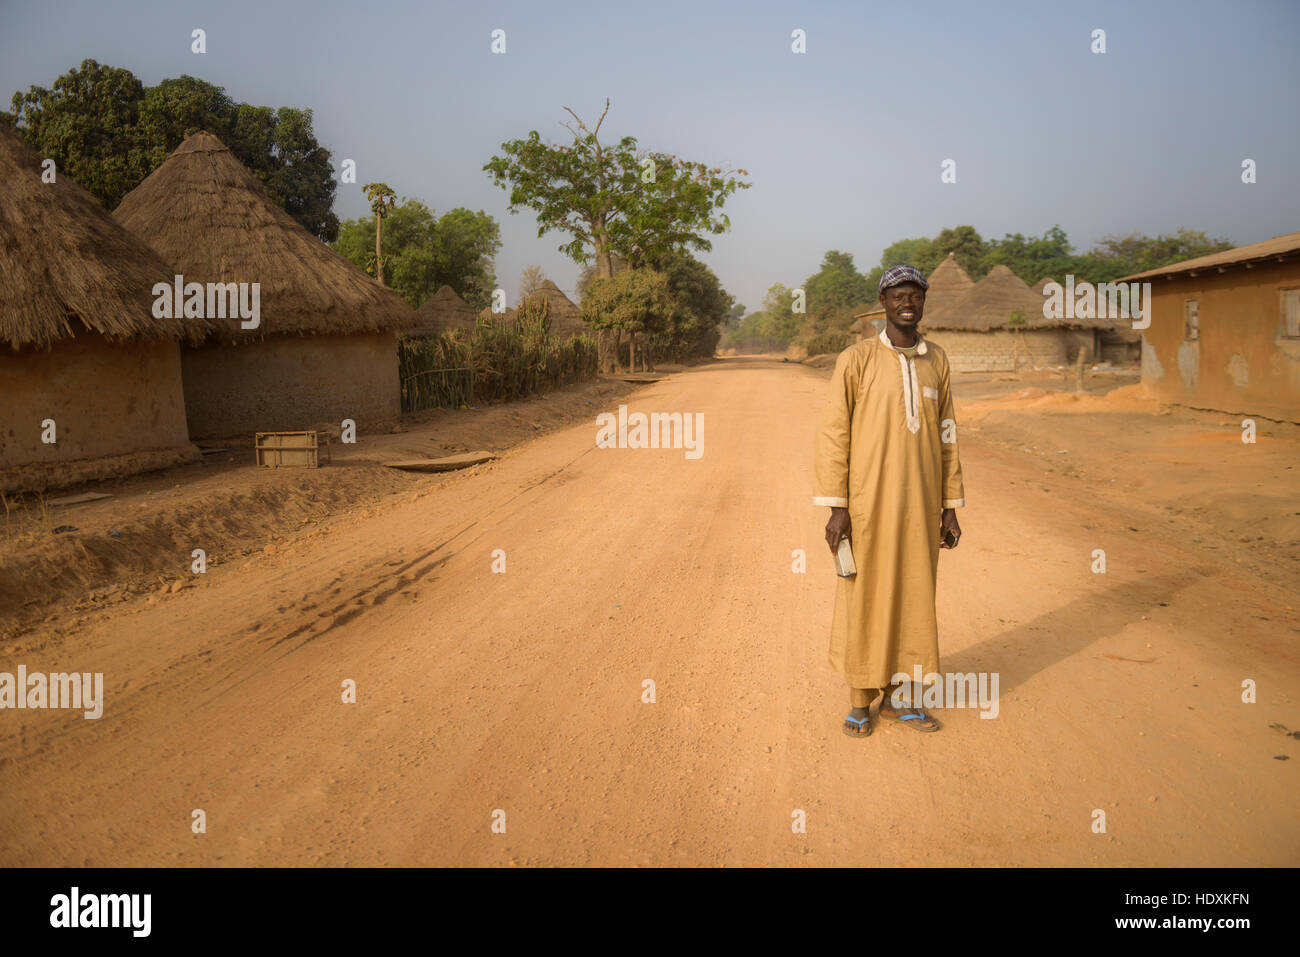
x,y
886,463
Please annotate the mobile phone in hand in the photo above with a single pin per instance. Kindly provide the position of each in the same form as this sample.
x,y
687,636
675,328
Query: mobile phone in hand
x,y
950,538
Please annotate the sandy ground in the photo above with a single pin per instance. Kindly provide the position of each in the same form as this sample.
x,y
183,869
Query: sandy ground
x,y
522,692
139,540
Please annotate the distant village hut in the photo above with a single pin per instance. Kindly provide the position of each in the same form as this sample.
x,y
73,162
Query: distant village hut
x,y
1117,343
444,312
85,363
1225,330
998,325
324,347
566,317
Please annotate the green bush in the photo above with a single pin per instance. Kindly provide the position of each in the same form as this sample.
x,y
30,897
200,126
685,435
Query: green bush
x,y
503,359
829,342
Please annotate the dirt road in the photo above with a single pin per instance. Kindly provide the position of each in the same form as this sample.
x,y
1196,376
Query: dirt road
x,y
522,692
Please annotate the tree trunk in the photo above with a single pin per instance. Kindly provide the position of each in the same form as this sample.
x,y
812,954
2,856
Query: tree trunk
x,y
379,260
607,343
631,349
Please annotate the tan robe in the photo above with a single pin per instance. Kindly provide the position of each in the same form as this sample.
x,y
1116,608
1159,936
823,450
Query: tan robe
x,y
880,452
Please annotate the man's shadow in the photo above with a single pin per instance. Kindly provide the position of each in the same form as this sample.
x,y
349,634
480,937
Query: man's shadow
x,y
1024,650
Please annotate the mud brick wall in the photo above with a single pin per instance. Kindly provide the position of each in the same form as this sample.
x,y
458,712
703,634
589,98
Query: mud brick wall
x,y
994,351
289,383
107,399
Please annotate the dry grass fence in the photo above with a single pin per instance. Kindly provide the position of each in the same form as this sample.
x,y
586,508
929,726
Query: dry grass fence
x,y
503,359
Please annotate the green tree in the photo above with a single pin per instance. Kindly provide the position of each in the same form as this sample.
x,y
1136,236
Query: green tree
x,y
635,302
912,252
834,291
466,244
177,107
778,303
295,169
699,307
1031,258
966,245
1124,255
613,199
424,252
88,123
108,131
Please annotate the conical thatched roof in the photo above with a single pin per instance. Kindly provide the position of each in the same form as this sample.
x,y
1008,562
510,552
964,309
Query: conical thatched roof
x,y
566,318
444,311
207,215
62,257
990,303
948,278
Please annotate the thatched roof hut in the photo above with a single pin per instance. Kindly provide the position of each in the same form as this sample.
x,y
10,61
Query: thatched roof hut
x,y
91,381
949,279
566,318
204,212
991,303
977,331
326,345
444,311
63,258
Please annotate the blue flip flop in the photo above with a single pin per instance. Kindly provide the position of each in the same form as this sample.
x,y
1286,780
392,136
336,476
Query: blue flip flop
x,y
864,726
915,715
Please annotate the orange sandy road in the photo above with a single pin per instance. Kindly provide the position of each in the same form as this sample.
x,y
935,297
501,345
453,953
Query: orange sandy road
x,y
522,691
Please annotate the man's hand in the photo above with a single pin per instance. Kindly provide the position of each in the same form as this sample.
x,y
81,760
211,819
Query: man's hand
x,y
948,523
838,527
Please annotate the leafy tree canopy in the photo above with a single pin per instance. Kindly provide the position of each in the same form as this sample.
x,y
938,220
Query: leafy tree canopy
x,y
634,301
834,291
108,131
700,306
1051,255
613,199
422,252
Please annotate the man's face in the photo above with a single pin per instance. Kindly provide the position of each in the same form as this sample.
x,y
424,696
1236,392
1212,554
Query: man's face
x,y
904,304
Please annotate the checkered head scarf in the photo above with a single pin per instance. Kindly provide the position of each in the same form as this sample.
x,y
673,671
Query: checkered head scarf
x,y
896,275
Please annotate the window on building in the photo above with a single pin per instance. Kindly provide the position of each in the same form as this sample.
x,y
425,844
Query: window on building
x,y
1291,313
1191,319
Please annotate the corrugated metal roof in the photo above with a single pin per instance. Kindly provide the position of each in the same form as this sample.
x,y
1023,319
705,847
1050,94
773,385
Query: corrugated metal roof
x,y
1277,246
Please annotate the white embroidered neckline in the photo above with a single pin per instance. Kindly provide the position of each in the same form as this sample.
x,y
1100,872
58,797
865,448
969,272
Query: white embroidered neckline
x,y
911,391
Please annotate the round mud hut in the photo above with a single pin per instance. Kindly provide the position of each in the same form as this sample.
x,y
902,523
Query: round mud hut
x,y
303,336
998,325
90,378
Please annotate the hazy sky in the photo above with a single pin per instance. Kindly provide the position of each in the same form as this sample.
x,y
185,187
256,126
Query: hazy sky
x,y
843,143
